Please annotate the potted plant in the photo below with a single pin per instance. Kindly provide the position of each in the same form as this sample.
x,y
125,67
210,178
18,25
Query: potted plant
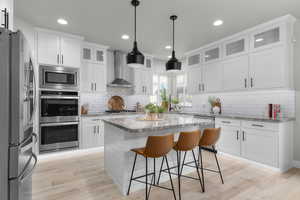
x,y
164,99
151,111
175,104
160,111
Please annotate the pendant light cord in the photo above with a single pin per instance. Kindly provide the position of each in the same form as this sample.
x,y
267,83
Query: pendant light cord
x,y
135,23
173,52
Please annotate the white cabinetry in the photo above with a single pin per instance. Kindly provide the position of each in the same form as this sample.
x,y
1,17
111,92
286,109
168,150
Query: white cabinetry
x,y
92,133
143,79
268,68
257,58
263,142
94,68
58,49
194,81
6,8
235,73
212,77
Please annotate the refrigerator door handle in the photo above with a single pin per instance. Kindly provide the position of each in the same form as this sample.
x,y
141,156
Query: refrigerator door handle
x,y
35,137
25,175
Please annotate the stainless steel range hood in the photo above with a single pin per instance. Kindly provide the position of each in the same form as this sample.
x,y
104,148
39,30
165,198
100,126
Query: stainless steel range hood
x,y
119,71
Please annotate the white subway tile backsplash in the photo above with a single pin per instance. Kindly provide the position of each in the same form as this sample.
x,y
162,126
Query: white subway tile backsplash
x,y
248,103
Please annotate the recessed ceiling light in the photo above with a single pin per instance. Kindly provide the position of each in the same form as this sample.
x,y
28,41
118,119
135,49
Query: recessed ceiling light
x,y
125,37
62,21
218,22
259,39
168,47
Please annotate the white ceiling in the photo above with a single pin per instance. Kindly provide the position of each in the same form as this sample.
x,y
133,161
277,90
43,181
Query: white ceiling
x,y
104,21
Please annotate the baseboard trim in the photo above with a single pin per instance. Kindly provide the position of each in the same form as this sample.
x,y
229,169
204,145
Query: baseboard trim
x,y
296,163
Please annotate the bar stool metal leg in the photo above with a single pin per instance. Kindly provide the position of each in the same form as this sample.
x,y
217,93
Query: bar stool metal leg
x,y
146,179
168,167
201,165
161,167
221,176
196,165
132,174
178,164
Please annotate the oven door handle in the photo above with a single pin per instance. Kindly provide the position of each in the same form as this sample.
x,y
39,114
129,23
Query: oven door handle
x,y
59,97
59,124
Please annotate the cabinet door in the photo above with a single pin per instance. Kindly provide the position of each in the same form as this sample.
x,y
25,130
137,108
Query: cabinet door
x,y
213,77
212,54
87,53
194,60
267,68
99,77
235,73
236,47
70,52
260,146
194,81
48,48
100,56
139,82
88,135
87,78
230,140
148,82
267,37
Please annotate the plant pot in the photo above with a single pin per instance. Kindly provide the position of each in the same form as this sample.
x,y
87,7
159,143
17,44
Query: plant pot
x,y
151,116
165,105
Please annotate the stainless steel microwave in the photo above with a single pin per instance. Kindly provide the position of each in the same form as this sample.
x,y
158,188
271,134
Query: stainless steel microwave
x,y
59,78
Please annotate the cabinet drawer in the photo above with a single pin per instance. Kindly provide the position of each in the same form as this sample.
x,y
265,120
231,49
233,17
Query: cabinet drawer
x,y
91,120
227,122
260,125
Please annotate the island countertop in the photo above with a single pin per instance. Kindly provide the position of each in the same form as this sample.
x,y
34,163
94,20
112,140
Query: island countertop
x,y
135,124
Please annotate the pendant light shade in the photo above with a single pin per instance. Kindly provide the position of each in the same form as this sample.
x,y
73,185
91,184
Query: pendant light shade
x,y
173,64
135,58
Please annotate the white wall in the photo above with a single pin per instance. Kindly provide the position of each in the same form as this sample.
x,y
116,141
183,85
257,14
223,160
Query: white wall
x,y
297,88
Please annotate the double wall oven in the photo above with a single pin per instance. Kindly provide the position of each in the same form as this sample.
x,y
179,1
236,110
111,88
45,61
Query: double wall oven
x,y
59,108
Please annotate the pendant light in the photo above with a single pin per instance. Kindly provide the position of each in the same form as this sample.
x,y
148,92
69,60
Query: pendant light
x,y
135,58
173,64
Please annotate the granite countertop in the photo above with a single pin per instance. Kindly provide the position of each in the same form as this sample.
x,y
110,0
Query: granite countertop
x,y
240,117
170,121
201,115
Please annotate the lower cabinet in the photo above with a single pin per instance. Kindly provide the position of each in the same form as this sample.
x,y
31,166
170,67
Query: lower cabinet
x,y
92,133
263,142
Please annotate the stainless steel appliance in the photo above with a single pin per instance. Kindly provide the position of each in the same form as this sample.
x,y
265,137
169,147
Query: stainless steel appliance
x,y
59,78
57,136
17,105
58,106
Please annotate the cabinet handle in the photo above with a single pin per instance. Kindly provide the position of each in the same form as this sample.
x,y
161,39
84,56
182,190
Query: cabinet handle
x,y
199,87
57,59
245,83
62,59
95,86
243,135
7,20
203,88
92,86
226,122
5,17
94,129
252,82
237,135
258,125
98,129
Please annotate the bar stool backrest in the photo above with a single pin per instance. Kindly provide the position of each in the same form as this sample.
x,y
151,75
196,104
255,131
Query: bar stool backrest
x,y
210,137
158,146
188,140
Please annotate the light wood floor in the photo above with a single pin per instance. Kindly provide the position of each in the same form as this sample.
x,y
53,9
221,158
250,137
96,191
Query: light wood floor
x,y
82,177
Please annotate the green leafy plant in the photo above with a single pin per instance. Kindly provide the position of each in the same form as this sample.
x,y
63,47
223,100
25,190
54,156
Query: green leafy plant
x,y
175,101
152,108
163,95
161,109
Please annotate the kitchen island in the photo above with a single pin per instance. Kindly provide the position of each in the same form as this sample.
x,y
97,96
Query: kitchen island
x,y
125,133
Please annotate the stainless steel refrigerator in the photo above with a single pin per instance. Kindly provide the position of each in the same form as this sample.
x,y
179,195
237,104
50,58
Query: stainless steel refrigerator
x,y
17,107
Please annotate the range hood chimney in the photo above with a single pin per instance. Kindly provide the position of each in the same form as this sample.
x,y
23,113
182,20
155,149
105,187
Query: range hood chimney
x,y
119,71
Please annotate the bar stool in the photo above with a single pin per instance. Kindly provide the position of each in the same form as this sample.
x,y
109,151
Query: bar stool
x,y
156,147
187,141
207,142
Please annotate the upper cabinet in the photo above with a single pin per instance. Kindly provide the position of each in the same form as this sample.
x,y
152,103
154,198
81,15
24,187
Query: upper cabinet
x,y
6,14
268,36
58,49
236,46
148,62
94,53
193,60
212,54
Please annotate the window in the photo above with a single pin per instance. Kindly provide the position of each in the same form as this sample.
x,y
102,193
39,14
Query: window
x,y
160,82
181,91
